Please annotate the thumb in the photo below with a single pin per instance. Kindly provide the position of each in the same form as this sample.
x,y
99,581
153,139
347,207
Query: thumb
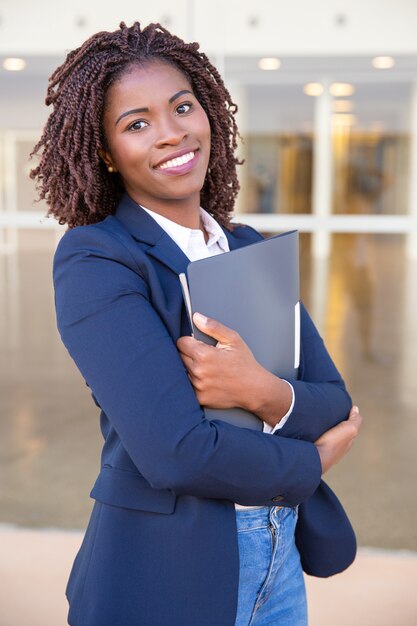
x,y
214,329
355,417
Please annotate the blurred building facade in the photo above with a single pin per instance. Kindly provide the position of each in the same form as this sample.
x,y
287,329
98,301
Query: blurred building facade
x,y
327,100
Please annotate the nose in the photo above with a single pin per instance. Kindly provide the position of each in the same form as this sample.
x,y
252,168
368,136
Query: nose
x,y
170,132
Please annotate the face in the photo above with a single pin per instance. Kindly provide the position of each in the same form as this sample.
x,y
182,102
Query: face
x,y
158,137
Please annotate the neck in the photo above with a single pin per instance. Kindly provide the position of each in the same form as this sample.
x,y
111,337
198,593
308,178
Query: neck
x,y
185,212
189,219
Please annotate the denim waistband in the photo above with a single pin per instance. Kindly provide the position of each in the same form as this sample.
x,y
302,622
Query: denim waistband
x,y
262,517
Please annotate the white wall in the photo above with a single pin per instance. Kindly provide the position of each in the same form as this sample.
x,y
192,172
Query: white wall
x,y
299,27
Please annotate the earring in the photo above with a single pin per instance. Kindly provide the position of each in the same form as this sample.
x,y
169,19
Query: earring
x,y
110,169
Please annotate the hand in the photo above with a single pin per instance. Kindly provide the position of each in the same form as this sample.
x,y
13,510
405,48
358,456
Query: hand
x,y
227,375
336,442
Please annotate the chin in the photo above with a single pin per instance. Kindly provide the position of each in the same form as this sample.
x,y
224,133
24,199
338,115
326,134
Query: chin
x,y
179,191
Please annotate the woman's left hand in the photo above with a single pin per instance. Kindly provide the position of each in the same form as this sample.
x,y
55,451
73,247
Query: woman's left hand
x,y
228,375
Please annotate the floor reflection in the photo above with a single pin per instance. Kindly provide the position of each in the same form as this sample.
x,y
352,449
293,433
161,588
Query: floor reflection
x,y
365,330
49,433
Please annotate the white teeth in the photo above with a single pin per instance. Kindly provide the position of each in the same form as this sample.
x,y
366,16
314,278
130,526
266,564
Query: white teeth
x,y
177,162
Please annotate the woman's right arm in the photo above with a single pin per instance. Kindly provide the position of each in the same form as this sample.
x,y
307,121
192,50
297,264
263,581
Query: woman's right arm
x,y
128,359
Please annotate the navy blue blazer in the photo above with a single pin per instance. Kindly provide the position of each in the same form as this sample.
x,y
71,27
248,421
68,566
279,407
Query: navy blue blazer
x,y
161,545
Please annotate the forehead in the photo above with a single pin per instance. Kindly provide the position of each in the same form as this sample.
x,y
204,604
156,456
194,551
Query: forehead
x,y
151,81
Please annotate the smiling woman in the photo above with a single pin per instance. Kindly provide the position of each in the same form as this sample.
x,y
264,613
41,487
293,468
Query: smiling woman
x,y
138,159
158,140
82,93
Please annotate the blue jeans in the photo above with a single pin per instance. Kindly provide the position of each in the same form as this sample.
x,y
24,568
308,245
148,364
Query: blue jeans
x,y
271,582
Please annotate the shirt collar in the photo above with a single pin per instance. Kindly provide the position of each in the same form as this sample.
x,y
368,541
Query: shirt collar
x,y
182,235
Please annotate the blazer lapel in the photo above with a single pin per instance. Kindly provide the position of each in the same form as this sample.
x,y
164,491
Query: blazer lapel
x,y
233,240
153,239
167,251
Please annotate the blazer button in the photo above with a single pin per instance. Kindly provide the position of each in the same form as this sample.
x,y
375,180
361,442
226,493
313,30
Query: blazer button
x,y
277,498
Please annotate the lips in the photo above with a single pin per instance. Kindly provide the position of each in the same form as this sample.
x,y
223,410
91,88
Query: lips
x,y
178,163
172,159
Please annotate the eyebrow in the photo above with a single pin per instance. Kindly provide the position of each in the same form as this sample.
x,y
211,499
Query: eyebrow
x,y
146,110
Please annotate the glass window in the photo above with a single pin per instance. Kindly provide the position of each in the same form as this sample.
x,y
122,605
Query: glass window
x,y
371,149
370,172
278,172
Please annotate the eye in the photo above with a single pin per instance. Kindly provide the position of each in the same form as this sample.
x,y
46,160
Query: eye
x,y
185,107
138,125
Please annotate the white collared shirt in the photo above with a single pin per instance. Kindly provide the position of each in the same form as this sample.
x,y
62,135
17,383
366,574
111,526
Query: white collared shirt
x,y
190,240
192,243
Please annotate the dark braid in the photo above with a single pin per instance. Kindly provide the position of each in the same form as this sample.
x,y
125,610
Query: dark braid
x,y
71,176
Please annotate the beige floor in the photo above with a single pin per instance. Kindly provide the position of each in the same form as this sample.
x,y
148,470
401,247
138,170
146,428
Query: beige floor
x,y
378,590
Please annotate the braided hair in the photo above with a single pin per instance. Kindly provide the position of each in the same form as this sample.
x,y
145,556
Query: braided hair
x,y
71,176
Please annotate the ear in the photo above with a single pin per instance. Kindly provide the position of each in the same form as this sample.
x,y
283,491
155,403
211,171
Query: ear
x,y
108,161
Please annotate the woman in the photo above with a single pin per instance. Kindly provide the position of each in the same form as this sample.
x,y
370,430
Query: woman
x,y
143,134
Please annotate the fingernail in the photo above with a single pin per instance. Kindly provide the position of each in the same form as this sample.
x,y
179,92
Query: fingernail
x,y
355,409
200,319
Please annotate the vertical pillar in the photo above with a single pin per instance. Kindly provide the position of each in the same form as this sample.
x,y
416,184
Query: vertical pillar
x,y
322,170
322,205
2,195
412,194
408,324
10,264
239,96
409,327
9,241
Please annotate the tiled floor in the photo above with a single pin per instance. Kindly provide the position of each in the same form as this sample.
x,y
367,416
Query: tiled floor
x,y
377,590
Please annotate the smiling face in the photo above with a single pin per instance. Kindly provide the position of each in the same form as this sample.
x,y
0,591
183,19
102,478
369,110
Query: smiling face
x,y
158,139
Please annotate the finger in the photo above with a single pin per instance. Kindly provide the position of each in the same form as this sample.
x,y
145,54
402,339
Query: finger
x,y
197,385
215,329
355,417
354,422
188,362
189,346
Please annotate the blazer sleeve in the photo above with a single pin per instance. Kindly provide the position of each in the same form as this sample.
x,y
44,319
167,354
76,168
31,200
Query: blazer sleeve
x,y
321,399
128,359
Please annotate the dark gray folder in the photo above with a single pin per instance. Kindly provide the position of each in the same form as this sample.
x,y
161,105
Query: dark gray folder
x,y
255,291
